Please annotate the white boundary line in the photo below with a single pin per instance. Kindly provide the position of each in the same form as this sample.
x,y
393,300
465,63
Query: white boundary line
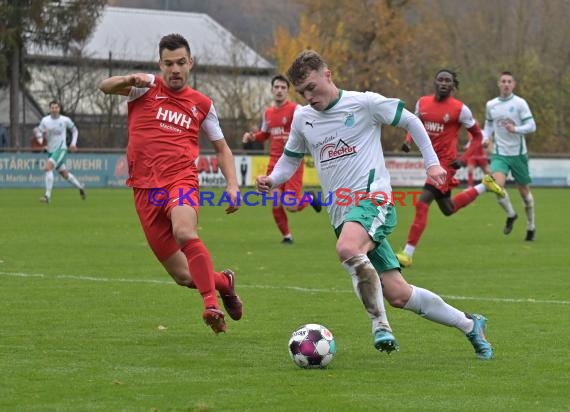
x,y
296,288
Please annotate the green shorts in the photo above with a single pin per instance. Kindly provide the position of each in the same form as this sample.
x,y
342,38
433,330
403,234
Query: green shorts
x,y
379,222
58,157
517,165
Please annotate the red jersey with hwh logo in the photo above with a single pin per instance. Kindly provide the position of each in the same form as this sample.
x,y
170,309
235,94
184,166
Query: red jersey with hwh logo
x,y
163,133
442,121
276,125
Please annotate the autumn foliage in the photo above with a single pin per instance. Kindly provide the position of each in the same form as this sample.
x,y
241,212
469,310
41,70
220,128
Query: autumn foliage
x,y
394,47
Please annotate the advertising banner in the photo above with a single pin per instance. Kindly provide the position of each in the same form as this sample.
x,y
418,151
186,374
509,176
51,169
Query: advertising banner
x,y
111,170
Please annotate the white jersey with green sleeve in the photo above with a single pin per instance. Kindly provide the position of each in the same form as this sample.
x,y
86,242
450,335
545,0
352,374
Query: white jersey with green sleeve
x,y
501,111
55,131
344,141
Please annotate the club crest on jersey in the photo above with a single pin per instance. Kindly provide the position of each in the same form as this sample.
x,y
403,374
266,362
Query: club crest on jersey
x,y
334,151
446,118
194,111
284,120
349,119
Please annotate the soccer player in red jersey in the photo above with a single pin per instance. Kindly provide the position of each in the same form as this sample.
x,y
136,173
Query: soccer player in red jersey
x,y
165,116
474,157
276,126
443,116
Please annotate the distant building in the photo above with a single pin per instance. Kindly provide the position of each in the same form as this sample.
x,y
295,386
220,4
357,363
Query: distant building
x,y
126,40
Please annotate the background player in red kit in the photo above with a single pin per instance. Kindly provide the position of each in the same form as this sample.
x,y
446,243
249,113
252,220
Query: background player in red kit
x,y
474,156
443,116
164,119
276,126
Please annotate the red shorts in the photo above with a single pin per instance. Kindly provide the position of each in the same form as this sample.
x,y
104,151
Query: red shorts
x,y
450,181
477,161
154,206
477,158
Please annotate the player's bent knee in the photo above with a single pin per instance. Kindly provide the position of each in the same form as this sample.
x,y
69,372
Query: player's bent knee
x,y
183,235
181,278
396,300
345,251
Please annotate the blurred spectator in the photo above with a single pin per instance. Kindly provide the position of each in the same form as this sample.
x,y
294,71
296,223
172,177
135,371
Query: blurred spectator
x,y
4,138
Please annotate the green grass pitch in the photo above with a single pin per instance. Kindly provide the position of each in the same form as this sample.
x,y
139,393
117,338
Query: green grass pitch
x,y
90,321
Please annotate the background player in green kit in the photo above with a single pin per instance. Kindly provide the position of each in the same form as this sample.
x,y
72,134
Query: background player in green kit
x,y
53,128
507,120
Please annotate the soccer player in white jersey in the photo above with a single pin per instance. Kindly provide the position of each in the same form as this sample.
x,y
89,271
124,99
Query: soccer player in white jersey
x,y
507,120
53,128
341,130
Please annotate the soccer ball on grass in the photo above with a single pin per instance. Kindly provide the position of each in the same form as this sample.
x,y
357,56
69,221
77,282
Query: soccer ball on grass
x,y
312,346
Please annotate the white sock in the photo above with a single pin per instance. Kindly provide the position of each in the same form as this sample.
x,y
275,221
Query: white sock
x,y
71,179
480,188
529,210
49,182
367,286
506,204
430,306
409,249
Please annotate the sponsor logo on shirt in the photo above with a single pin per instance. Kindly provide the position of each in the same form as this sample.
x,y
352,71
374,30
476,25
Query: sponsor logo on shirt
x,y
278,133
434,127
333,151
173,117
504,121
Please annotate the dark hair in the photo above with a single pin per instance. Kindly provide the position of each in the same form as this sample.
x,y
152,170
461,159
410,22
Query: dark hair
x,y
280,77
507,73
304,64
453,76
54,102
172,42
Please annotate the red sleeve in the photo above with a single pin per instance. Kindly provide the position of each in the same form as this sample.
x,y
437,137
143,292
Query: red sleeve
x,y
476,133
261,136
476,138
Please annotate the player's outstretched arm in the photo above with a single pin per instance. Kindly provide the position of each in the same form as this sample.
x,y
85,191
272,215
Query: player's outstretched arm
x,y
227,166
284,169
416,130
122,84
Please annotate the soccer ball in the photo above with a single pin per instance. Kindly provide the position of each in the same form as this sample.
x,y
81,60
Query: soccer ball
x,y
312,346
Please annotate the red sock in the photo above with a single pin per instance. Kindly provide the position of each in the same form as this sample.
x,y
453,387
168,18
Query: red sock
x,y
470,179
419,224
202,270
222,282
280,217
462,199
